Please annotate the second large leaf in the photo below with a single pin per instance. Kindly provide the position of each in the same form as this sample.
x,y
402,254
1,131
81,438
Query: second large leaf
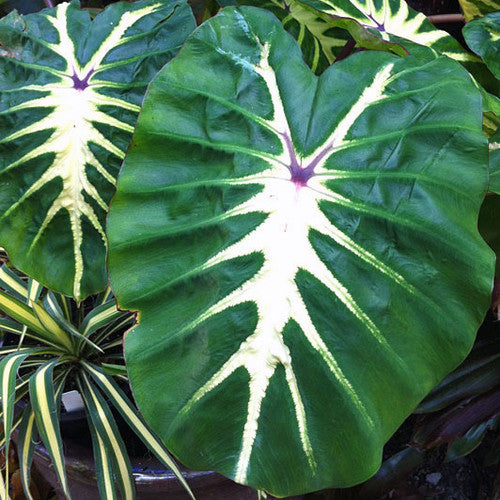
x,y
70,92
299,249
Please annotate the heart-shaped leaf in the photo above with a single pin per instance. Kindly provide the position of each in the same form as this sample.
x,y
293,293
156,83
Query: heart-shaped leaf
x,y
70,91
305,251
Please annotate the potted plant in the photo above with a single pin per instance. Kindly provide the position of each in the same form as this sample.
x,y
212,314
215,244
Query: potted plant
x,y
304,229
58,347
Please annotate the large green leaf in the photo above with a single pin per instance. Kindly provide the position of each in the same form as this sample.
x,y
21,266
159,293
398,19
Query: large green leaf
x,y
483,37
391,20
321,38
305,251
70,91
395,23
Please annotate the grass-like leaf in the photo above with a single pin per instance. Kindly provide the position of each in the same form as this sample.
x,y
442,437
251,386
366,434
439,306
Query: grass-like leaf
x,y
43,400
107,431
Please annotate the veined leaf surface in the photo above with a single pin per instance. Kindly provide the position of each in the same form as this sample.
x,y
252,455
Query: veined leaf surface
x,y
305,251
394,22
391,20
321,38
70,91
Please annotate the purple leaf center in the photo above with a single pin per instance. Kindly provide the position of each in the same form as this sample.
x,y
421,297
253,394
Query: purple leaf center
x,y
79,84
300,175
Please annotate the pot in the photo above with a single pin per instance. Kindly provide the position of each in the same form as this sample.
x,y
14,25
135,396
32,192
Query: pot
x,y
153,481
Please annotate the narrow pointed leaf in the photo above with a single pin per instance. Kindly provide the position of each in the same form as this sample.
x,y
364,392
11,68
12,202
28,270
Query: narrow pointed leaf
x,y
107,431
70,91
103,465
69,332
21,313
9,367
8,325
59,335
134,420
43,401
305,251
34,290
15,424
10,282
101,316
25,448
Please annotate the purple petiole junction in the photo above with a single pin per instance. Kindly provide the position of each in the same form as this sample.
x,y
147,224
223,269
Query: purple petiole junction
x,y
80,84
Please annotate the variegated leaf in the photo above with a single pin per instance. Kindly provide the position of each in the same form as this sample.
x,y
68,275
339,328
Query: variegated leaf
x,y
321,38
70,91
25,448
395,22
305,251
9,367
10,282
130,414
106,431
43,398
473,9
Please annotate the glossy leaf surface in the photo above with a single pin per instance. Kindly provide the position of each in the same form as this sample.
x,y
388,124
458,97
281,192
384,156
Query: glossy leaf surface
x,y
321,38
391,20
483,37
305,251
70,91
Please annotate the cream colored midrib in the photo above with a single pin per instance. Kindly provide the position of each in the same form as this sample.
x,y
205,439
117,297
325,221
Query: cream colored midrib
x,y
283,239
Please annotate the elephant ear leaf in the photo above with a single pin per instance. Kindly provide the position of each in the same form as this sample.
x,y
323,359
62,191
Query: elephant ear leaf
x,y
483,37
70,92
305,250
390,20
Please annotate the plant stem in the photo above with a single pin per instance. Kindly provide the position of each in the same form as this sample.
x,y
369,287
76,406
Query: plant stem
x,y
347,49
49,4
446,18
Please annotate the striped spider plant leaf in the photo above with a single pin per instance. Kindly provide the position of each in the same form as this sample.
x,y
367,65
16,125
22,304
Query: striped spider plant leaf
x,y
103,465
305,250
9,367
116,464
70,91
131,416
43,397
12,283
483,37
25,447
